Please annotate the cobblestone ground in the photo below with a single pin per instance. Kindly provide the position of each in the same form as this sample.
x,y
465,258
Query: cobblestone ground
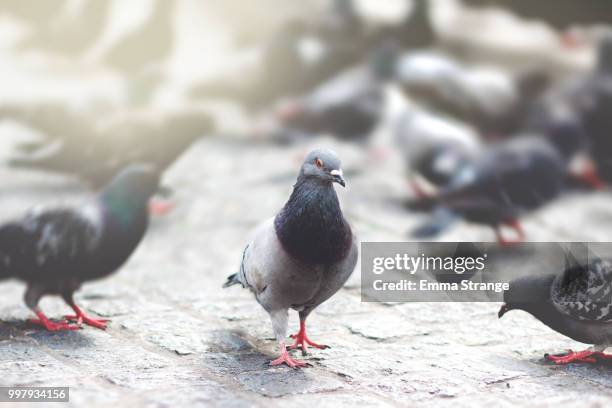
x,y
178,339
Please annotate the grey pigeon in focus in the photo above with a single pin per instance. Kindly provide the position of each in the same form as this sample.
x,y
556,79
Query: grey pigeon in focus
x,y
55,250
304,255
576,303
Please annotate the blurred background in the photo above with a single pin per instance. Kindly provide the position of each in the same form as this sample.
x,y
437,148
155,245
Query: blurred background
x,y
450,115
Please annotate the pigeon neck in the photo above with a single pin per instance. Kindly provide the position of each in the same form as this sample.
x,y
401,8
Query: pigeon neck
x,y
311,226
532,295
124,208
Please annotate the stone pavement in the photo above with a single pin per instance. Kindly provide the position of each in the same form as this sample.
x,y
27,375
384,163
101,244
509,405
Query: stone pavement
x,y
178,339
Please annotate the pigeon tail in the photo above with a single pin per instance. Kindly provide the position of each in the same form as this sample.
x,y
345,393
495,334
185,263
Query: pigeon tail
x,y
440,221
238,278
232,280
43,154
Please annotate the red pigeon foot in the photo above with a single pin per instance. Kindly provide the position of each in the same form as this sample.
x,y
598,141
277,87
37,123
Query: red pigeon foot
x,y
51,326
302,341
585,356
514,224
80,317
285,358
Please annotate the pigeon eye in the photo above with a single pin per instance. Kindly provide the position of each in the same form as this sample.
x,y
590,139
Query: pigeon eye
x,y
318,162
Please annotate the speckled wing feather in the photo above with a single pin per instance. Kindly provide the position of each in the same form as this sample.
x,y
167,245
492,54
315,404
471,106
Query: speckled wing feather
x,y
584,292
50,241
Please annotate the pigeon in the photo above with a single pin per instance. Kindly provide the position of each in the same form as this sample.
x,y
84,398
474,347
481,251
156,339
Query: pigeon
x,y
559,14
96,153
488,98
595,110
576,303
586,101
304,255
511,178
434,148
55,250
348,106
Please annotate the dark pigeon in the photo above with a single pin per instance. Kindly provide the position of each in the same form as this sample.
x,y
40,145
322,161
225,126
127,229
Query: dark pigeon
x,y
54,251
586,101
304,255
596,108
512,178
349,106
576,303
435,149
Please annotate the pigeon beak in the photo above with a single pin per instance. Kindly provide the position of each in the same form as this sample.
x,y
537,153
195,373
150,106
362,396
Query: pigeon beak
x,y
337,177
502,310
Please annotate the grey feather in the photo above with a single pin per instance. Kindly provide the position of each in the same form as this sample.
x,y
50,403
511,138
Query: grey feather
x,y
584,292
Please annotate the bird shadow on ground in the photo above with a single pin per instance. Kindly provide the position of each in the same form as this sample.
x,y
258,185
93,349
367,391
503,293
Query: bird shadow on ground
x,y
14,329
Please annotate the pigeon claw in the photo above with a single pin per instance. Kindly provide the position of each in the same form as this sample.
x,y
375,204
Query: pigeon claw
x,y
285,358
516,226
586,356
302,341
52,326
89,321
81,318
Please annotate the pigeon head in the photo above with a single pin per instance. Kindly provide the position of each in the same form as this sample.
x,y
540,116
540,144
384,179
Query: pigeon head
x,y
527,293
322,165
132,188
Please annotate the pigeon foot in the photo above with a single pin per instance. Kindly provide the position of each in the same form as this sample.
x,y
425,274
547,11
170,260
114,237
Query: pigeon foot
x,y
418,190
515,225
285,358
586,356
302,341
80,317
51,326
160,207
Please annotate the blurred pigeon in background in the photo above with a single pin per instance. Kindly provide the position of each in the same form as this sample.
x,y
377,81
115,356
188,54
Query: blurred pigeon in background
x,y
490,99
349,106
434,147
96,152
509,179
54,251
559,14
304,255
576,303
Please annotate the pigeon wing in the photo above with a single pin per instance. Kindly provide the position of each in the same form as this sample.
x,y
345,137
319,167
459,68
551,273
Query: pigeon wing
x,y
51,241
584,292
